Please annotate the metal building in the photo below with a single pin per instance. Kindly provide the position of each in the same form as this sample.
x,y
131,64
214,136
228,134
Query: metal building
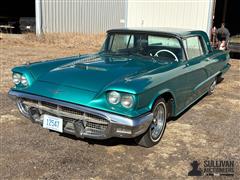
x,y
188,14
96,16
85,16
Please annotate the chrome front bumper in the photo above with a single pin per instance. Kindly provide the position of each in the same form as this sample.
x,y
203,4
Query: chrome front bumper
x,y
80,120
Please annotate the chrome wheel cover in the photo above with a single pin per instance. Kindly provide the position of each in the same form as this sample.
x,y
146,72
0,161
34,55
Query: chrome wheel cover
x,y
213,85
158,123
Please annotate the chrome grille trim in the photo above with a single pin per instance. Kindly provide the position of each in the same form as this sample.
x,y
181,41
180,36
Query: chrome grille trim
x,y
72,111
59,112
93,131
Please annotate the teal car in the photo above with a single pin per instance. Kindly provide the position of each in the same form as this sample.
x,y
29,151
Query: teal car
x,y
138,80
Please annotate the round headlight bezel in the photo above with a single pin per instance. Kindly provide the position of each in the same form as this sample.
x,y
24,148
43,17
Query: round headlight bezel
x,y
129,99
16,78
24,81
114,95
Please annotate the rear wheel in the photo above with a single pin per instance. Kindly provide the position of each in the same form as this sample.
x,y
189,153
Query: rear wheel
x,y
212,87
157,126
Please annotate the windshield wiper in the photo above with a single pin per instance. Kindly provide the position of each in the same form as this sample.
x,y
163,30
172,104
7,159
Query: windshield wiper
x,y
133,52
125,53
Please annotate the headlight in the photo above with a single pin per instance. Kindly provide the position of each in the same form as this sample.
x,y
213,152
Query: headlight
x,y
24,80
16,78
127,101
114,97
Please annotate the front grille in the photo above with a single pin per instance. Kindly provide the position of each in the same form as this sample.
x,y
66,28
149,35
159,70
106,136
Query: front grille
x,y
70,110
49,105
93,116
90,128
94,132
96,126
29,100
93,124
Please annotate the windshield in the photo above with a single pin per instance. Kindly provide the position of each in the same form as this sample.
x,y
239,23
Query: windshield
x,y
160,46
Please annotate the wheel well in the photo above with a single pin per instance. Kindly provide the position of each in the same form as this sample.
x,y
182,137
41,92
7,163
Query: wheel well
x,y
219,75
169,99
219,78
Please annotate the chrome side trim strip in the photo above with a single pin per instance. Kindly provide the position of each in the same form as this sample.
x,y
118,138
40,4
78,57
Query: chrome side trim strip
x,y
205,81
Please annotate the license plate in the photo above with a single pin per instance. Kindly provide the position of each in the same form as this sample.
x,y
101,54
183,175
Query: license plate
x,y
53,123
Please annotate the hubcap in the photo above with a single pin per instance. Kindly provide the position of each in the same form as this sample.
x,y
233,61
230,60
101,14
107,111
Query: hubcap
x,y
158,123
213,85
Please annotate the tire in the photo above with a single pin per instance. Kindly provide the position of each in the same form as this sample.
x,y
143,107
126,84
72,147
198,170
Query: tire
x,y
156,129
212,87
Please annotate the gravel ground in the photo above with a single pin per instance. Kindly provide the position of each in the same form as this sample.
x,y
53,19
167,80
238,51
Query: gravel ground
x,y
209,130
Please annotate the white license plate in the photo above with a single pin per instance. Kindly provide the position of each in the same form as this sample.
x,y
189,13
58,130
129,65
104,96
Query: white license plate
x,y
53,123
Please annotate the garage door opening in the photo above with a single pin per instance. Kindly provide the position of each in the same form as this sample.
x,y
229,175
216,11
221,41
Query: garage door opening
x,y
17,16
228,12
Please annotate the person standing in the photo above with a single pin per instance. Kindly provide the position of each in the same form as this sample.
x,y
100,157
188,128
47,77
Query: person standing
x,y
223,36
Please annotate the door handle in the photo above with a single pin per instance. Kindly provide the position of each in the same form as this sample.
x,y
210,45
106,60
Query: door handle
x,y
186,65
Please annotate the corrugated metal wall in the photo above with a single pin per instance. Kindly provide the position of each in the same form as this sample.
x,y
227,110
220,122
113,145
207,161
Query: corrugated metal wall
x,y
190,14
85,16
95,16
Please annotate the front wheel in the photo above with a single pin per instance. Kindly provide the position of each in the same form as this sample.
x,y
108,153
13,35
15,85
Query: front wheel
x,y
156,129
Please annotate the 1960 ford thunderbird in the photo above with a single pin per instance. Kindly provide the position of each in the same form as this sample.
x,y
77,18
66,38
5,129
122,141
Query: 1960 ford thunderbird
x,y
129,89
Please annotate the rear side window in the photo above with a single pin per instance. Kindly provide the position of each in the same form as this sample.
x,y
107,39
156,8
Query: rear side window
x,y
163,41
193,47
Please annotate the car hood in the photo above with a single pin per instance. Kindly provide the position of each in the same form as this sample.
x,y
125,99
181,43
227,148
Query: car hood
x,y
93,73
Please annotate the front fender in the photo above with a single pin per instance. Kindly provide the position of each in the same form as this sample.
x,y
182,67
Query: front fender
x,y
148,98
158,94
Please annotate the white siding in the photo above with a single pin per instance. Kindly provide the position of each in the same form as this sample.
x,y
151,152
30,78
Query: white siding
x,y
85,16
94,16
188,14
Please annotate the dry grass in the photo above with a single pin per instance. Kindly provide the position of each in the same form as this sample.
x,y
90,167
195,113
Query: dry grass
x,y
67,40
19,49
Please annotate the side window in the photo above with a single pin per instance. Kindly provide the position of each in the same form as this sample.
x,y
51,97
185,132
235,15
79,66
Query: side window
x,y
193,47
163,41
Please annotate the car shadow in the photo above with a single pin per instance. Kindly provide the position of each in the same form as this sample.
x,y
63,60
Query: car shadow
x,y
104,142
